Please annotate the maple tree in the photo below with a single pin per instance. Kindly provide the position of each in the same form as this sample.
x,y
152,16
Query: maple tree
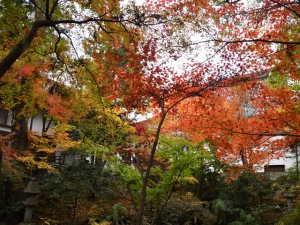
x,y
176,163
182,158
46,25
250,124
254,38
163,95
46,36
258,37
31,93
124,65
158,89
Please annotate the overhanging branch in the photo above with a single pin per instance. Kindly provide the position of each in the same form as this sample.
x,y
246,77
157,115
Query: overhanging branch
x,y
23,45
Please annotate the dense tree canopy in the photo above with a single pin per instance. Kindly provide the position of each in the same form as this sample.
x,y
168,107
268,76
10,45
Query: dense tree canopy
x,y
219,79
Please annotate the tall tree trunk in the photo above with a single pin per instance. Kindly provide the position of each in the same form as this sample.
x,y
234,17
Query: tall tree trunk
x,y
18,50
20,126
147,173
1,195
20,133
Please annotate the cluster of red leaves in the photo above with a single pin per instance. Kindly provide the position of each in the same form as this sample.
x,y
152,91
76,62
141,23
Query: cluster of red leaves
x,y
251,124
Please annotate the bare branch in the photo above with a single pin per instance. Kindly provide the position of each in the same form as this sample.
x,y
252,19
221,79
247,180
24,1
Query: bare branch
x,y
36,5
58,40
53,8
102,28
47,10
288,8
277,134
283,120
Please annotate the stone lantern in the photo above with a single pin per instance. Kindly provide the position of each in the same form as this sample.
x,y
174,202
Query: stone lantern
x,y
289,195
31,191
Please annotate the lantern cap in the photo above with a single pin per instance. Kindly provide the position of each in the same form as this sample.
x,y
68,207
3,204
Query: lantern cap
x,y
32,186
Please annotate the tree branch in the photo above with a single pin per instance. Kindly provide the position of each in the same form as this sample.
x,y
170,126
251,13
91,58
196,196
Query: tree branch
x,y
18,50
284,134
284,6
36,5
23,45
47,10
226,42
53,8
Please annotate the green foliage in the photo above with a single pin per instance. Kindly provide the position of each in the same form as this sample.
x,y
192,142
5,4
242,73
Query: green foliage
x,y
219,208
11,207
247,191
248,198
94,222
276,80
208,172
292,218
120,212
267,213
81,191
293,174
176,172
244,219
182,210
102,132
219,212
281,180
223,212
76,182
12,213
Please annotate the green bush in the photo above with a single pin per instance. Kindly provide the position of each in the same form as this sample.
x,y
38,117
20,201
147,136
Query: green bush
x,y
292,218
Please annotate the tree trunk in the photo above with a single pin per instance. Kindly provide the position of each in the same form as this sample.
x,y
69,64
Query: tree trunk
x,y
18,50
20,126
1,196
147,174
24,44
20,133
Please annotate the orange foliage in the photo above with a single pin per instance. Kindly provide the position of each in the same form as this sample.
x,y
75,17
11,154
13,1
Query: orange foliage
x,y
250,124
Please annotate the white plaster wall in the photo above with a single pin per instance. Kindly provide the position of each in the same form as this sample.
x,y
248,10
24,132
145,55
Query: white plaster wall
x,y
5,129
37,124
9,118
8,123
289,161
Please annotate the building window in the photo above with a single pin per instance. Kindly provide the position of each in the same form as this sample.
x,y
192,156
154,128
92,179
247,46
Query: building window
x,y
3,116
274,168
